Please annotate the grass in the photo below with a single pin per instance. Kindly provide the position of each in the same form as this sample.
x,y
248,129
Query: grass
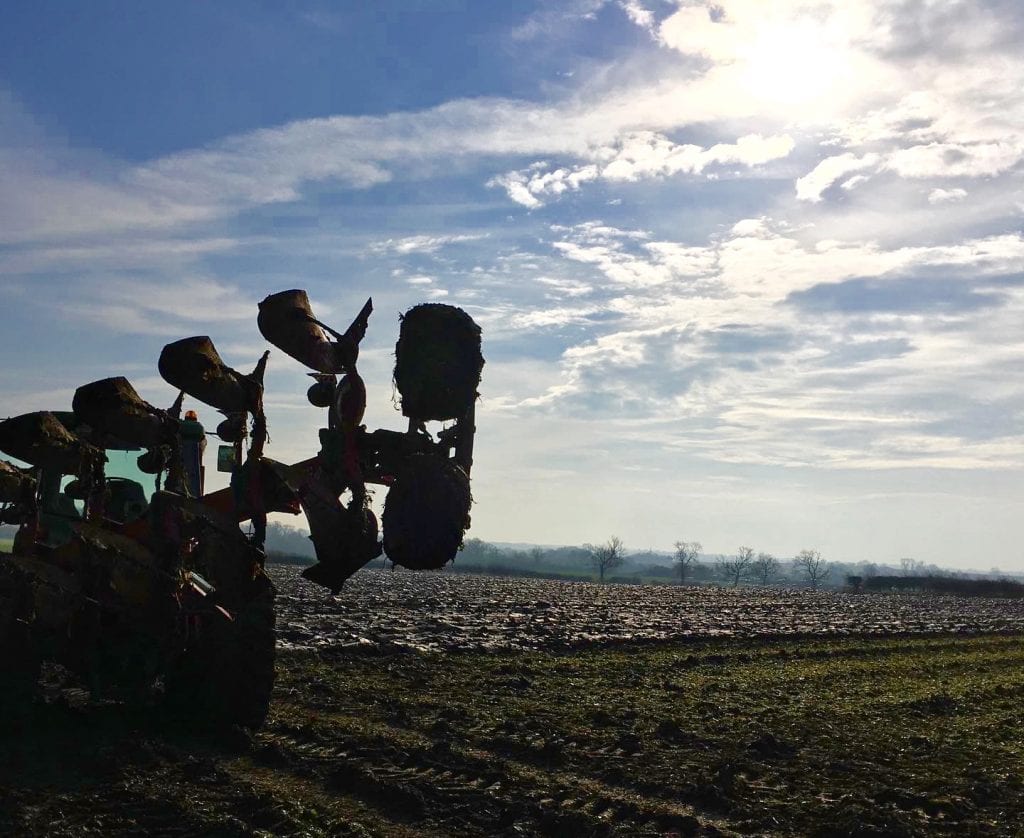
x,y
903,737
887,737
6,545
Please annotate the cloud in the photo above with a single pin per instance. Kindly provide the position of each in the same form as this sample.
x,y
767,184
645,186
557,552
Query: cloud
x,y
779,349
811,186
955,159
759,263
422,244
638,14
627,259
899,295
122,252
943,196
559,288
523,187
48,196
646,154
638,156
704,30
517,187
784,53
553,17
132,306
917,90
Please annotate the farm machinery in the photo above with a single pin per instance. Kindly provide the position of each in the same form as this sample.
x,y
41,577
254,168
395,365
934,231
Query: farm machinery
x,y
134,579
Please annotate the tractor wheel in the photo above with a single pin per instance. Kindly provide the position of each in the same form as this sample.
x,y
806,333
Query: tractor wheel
x,y
426,512
18,653
226,676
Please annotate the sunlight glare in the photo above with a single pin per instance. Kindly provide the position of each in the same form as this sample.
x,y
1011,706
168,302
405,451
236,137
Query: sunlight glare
x,y
794,64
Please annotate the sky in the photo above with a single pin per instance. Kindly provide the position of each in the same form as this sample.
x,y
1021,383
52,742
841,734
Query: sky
x,y
748,273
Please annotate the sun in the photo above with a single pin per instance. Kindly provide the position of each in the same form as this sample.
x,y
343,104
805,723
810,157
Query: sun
x,y
794,63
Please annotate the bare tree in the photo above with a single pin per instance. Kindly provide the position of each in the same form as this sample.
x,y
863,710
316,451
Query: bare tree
x,y
812,565
765,568
686,557
607,556
736,568
911,567
868,569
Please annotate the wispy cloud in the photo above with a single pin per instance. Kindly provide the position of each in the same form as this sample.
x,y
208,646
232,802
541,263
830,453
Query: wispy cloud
x,y
728,341
124,305
553,16
639,14
422,244
120,252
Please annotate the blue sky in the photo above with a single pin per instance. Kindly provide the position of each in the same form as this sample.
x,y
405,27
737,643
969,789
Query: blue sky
x,y
749,273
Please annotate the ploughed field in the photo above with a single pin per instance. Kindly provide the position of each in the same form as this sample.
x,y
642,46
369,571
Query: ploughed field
x,y
434,704
394,610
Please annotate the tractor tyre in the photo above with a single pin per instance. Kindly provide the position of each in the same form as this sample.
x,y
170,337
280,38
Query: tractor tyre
x,y
226,676
19,656
426,513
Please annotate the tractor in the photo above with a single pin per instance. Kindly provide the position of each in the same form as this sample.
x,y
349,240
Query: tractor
x,y
139,583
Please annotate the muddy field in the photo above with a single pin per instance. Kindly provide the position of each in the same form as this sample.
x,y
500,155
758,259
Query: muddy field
x,y
381,610
440,705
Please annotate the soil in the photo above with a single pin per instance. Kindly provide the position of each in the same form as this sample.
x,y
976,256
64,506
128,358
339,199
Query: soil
x,y
433,704
447,612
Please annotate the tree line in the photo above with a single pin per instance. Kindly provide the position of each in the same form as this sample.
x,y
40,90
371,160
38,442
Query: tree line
x,y
687,565
746,565
611,560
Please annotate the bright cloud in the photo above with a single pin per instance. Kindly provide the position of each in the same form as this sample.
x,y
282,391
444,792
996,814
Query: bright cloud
x,y
955,159
639,156
941,196
811,186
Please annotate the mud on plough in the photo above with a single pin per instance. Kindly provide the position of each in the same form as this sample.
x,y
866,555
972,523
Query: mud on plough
x,y
132,578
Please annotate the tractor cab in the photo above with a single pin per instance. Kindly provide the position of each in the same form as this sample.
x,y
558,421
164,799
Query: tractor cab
x,y
126,496
69,461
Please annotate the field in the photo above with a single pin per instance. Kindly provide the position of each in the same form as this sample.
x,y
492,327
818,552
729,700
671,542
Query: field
x,y
425,612
441,705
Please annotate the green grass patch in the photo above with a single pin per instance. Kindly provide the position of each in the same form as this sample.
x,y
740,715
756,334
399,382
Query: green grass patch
x,y
903,737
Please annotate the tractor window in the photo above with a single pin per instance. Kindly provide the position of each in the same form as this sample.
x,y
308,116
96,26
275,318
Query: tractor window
x,y
124,464
79,503
129,489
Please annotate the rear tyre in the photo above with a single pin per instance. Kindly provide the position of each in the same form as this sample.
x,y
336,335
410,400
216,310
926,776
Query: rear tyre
x,y
225,678
19,656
